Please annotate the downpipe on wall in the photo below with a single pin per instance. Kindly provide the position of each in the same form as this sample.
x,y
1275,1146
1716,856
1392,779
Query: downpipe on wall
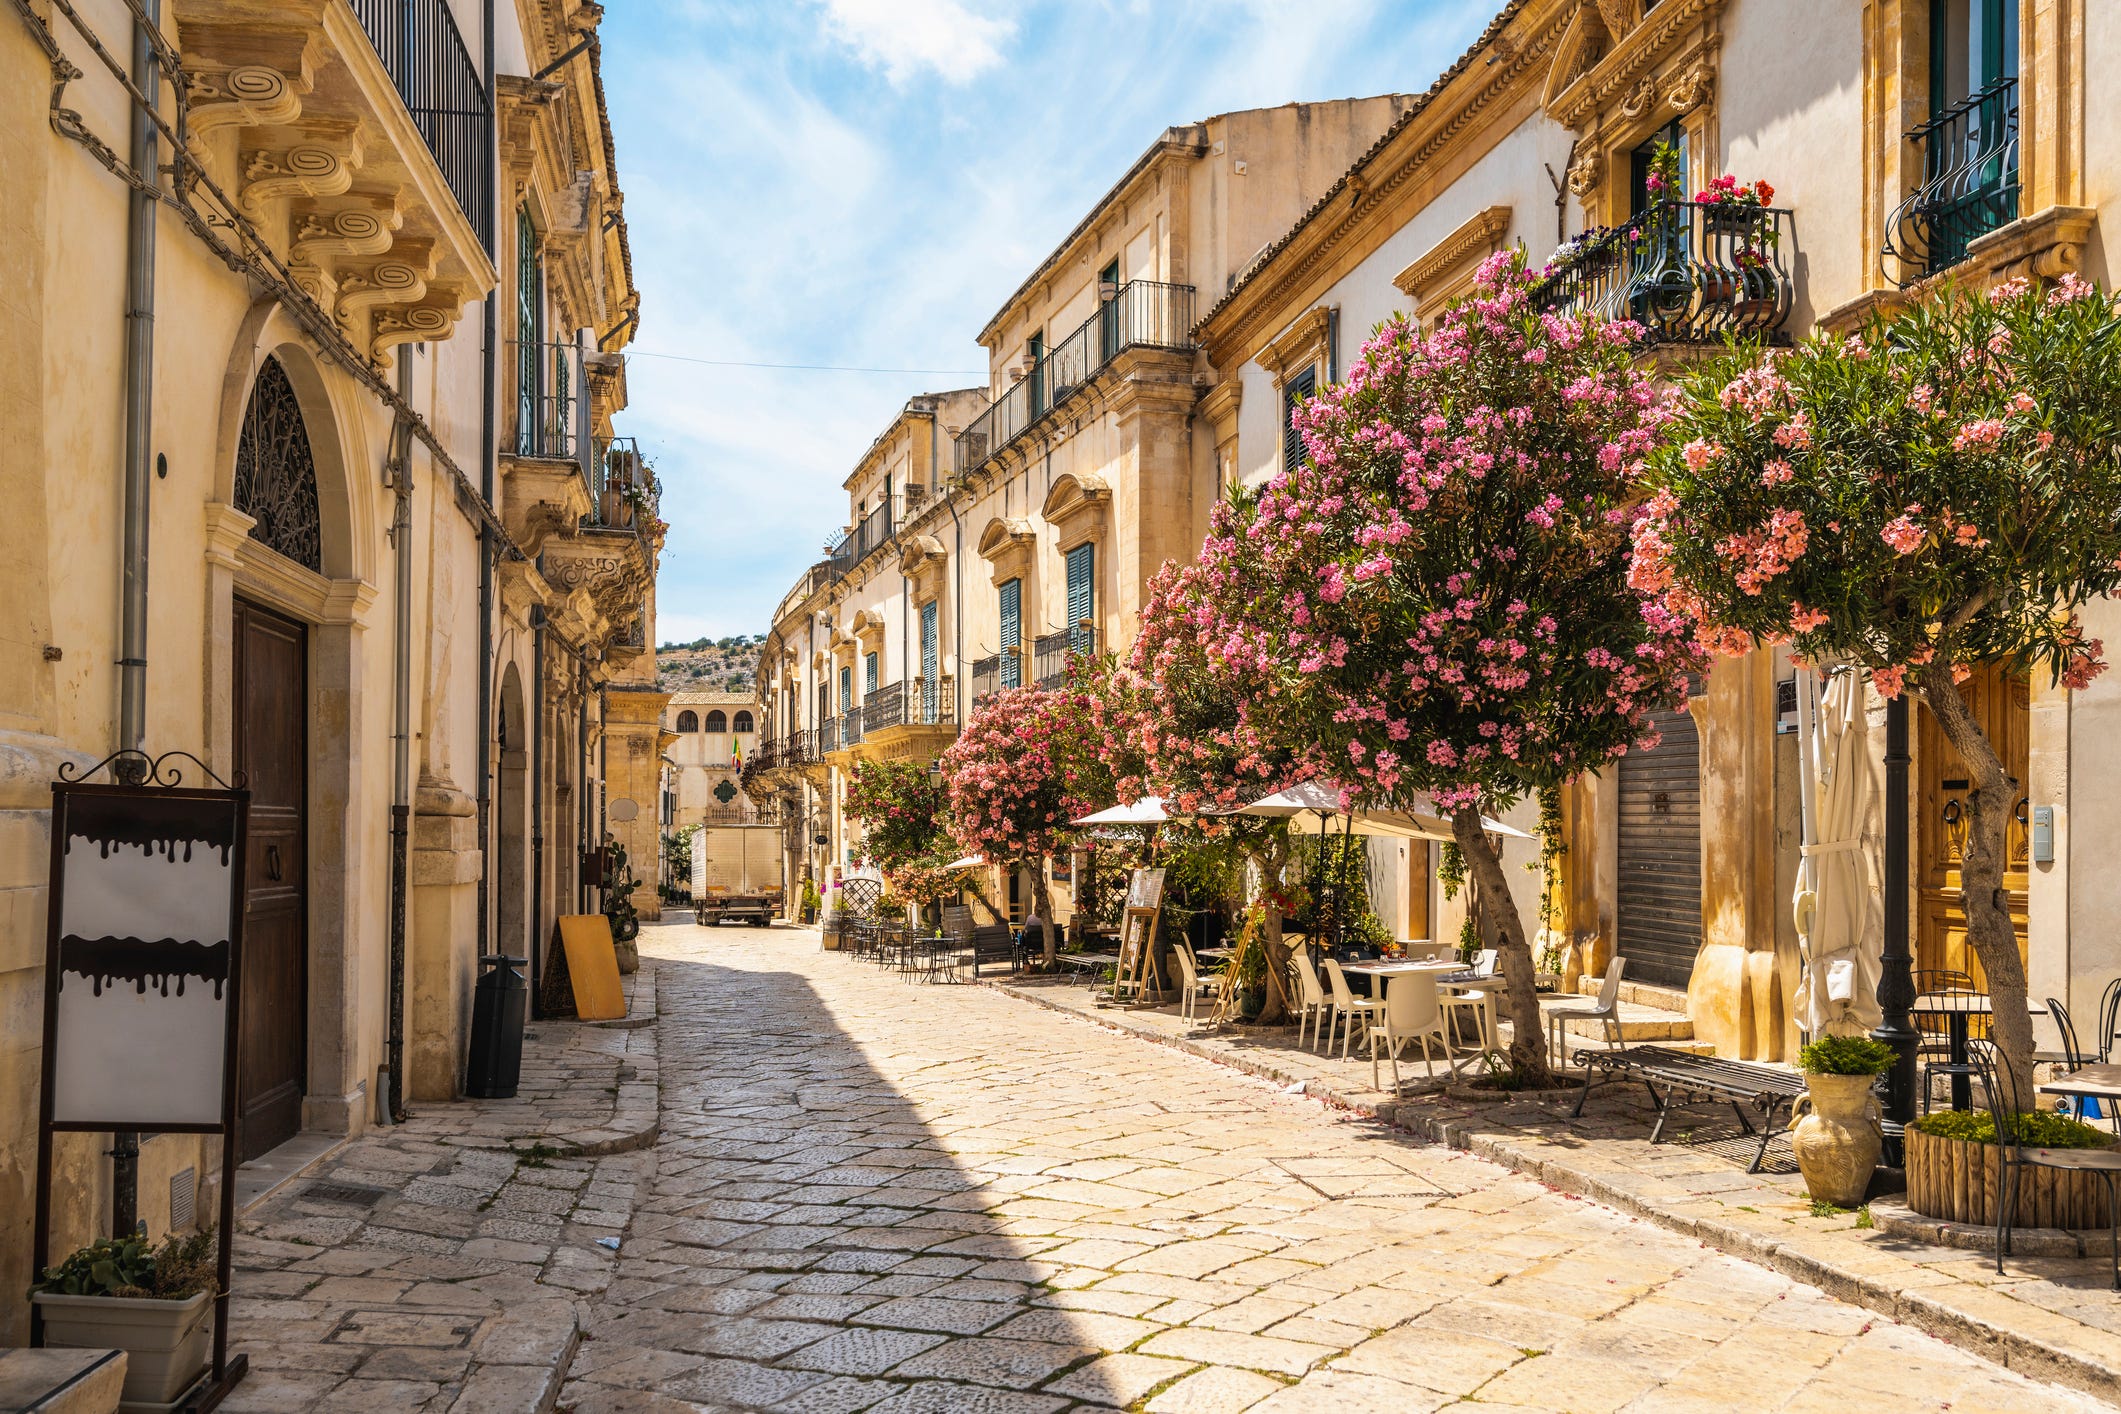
x,y
533,945
140,219
398,476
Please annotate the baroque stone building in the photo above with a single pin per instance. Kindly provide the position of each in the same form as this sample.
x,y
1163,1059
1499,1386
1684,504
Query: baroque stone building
x,y
351,373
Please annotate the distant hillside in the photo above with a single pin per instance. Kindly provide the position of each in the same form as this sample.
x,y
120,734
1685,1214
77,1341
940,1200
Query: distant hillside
x,y
709,664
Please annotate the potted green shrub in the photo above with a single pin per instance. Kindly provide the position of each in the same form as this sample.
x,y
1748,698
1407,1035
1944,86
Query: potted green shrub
x,y
811,901
155,1304
1838,1142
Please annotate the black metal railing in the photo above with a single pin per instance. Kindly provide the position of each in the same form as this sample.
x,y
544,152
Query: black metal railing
x,y
851,727
552,406
1969,183
438,81
624,494
859,543
1141,314
986,676
908,704
1052,654
1688,272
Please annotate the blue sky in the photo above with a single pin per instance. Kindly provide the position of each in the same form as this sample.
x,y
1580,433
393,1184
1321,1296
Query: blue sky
x,y
862,182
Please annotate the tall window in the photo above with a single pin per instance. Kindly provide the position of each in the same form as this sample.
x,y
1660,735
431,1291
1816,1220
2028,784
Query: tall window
x,y
530,331
1108,313
1012,594
929,663
846,689
1035,350
742,723
868,673
1293,392
1082,594
688,720
1639,197
824,705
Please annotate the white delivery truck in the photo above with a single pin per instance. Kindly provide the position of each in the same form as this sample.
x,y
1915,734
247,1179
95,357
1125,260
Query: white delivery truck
x,y
736,873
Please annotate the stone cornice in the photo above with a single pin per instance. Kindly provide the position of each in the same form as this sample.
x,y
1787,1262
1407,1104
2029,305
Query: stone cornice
x,y
1650,41
1297,346
1474,241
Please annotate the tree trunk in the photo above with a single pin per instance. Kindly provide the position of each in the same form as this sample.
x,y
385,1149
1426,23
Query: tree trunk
x,y
1528,1040
1042,900
1981,861
1279,1007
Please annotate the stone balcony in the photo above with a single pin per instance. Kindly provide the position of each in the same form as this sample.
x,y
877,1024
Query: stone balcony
x,y
383,215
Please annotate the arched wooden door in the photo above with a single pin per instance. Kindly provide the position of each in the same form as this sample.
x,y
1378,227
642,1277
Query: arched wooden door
x,y
2001,706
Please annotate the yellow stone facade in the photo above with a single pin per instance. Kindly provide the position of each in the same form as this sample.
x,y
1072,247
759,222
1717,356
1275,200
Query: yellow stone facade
x,y
321,275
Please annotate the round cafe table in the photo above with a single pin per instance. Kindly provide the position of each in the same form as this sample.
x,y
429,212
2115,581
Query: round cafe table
x,y
1958,1008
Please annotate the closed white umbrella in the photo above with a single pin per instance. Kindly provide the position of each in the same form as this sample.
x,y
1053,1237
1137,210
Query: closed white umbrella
x,y
1838,993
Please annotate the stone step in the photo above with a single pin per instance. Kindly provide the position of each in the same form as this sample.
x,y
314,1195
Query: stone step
x,y
61,1381
1641,993
1637,1023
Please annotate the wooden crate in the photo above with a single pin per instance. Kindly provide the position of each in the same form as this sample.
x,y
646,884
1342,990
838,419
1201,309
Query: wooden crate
x,y
1961,1181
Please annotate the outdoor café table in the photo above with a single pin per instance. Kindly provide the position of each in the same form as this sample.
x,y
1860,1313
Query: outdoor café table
x,y
2097,1082
1957,1007
1387,968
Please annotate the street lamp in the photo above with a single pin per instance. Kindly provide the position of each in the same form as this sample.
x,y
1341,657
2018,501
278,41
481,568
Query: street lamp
x,y
1896,979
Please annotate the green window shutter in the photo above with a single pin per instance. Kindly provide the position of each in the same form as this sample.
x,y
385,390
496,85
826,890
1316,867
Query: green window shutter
x,y
1294,392
1082,579
929,665
528,332
846,690
868,674
1012,592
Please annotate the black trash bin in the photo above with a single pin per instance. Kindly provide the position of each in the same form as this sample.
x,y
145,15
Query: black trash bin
x,y
498,1006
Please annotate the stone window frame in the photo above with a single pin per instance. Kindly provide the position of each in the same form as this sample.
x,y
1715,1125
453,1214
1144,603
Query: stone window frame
x,y
1619,74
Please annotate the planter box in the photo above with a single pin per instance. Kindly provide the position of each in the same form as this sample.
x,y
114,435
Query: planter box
x,y
165,1342
1960,1181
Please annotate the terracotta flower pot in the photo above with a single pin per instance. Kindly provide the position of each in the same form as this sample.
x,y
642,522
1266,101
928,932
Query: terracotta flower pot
x,y
1838,1143
165,1342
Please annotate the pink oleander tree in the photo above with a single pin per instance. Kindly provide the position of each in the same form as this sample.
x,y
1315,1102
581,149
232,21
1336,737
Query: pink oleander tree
x,y
1173,723
1442,607
1932,495
1024,767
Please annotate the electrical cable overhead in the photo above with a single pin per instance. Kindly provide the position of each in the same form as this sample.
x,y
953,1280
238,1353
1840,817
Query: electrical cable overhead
x,y
806,367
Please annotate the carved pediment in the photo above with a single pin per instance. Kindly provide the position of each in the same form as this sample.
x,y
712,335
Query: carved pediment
x,y
1448,267
1615,54
1076,498
1003,534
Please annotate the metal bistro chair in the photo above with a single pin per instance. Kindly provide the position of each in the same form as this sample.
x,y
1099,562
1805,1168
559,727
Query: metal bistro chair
x,y
1933,1056
2072,1056
2000,1088
2109,1020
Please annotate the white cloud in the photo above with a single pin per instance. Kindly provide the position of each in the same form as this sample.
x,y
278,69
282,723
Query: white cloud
x,y
905,37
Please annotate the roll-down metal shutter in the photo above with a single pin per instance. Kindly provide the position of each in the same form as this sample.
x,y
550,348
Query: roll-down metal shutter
x,y
1660,855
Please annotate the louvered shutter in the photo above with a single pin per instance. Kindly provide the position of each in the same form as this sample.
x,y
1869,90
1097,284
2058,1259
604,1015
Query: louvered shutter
x,y
1082,567
929,666
1012,592
1293,392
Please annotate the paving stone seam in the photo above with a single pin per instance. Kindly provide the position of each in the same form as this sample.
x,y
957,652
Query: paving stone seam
x,y
2014,1350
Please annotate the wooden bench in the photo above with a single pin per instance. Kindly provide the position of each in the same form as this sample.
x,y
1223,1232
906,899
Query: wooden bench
x,y
1668,1075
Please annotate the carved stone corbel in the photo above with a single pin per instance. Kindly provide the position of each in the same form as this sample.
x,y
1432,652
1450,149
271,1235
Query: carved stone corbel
x,y
1693,87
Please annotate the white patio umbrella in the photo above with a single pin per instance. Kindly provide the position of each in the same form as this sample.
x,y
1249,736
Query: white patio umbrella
x,y
1838,993
1323,799
970,861
1149,810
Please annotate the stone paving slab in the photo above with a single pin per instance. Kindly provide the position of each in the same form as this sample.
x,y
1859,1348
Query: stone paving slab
x,y
2055,1317
443,1264
844,1156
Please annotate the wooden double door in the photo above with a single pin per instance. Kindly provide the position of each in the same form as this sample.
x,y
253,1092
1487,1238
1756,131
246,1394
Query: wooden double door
x,y
2001,705
271,713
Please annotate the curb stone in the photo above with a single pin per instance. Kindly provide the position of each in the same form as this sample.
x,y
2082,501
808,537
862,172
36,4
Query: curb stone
x,y
2013,1349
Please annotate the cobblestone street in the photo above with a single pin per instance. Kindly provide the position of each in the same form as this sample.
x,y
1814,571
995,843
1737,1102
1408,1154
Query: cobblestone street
x,y
870,1195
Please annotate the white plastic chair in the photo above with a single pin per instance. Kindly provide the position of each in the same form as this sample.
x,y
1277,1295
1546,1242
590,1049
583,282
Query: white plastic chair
x,y
1313,1007
1606,1010
1411,1012
1479,1001
1346,1008
1190,980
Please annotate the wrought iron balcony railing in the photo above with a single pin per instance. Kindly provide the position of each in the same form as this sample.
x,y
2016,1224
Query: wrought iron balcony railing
x,y
986,676
439,83
851,727
1688,272
914,703
624,493
552,406
1052,654
1969,183
859,543
1141,314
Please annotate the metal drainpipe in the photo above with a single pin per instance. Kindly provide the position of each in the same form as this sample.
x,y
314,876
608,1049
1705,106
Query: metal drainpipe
x,y
400,740
490,357
957,616
139,460
534,944
581,809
